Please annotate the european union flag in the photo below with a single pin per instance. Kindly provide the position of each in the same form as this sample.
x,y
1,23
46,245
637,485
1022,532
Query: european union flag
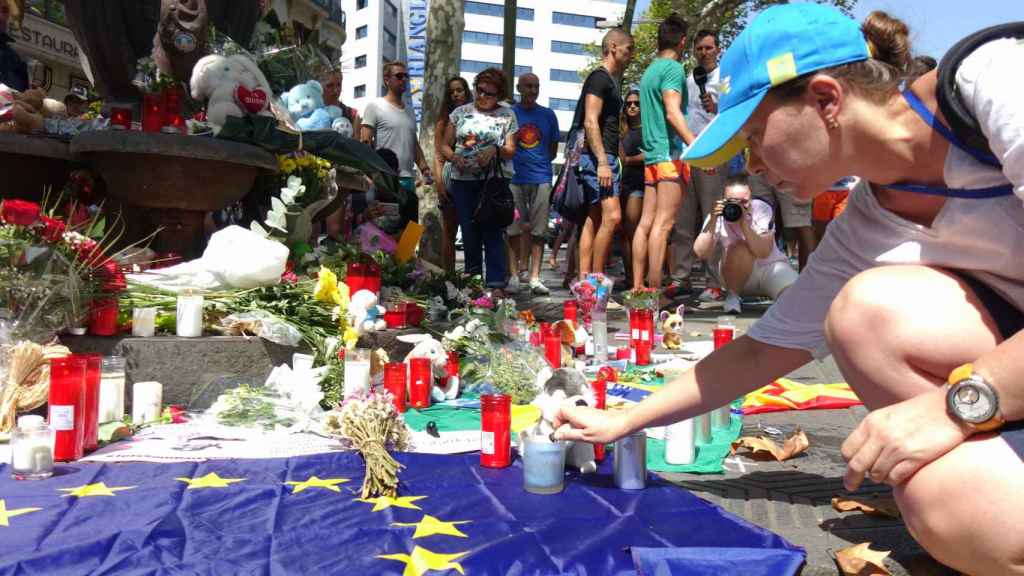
x,y
304,516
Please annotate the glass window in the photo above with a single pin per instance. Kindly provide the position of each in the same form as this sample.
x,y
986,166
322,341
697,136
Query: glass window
x,y
52,10
562,104
573,19
360,91
361,61
485,9
565,76
392,11
481,38
524,14
520,70
568,47
389,38
524,42
474,66
360,4
361,32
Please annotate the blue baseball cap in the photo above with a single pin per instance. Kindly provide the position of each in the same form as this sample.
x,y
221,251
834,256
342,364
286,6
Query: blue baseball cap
x,y
782,43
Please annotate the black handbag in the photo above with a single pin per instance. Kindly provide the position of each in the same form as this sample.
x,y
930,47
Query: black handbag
x,y
495,206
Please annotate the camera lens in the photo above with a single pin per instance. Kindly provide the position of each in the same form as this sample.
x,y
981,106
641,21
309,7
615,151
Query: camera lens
x,y
732,211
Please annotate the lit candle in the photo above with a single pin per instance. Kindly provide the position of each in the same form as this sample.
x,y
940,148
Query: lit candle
x,y
147,401
190,315
112,390
143,322
120,118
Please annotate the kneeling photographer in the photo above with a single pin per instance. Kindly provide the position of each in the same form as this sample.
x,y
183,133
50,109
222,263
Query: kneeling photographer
x,y
738,244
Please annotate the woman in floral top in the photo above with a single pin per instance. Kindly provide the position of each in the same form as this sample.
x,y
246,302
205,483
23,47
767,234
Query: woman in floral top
x,y
477,132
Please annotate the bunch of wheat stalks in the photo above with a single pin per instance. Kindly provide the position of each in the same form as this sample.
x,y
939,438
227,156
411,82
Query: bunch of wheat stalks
x,y
371,425
27,385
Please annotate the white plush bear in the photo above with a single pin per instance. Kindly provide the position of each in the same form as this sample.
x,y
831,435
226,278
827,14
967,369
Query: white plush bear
x,y
231,86
426,346
566,385
366,314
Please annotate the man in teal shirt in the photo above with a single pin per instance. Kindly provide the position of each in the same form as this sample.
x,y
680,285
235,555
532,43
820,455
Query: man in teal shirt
x,y
662,106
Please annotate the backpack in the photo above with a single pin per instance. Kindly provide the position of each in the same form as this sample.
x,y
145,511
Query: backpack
x,y
960,119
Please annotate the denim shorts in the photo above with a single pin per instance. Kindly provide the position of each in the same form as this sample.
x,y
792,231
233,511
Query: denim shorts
x,y
588,175
1009,320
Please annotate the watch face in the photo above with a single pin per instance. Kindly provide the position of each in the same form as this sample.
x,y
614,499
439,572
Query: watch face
x,y
972,403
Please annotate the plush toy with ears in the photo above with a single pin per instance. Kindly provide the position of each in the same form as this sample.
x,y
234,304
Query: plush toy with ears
x,y
231,86
672,328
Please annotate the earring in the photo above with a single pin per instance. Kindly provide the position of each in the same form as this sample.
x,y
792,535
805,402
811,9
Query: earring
x,y
832,123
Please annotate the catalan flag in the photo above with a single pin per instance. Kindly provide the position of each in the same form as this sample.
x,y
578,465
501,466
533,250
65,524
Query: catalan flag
x,y
784,394
304,516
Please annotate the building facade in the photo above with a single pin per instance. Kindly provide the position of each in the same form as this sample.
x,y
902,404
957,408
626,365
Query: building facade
x,y
49,48
324,16
375,33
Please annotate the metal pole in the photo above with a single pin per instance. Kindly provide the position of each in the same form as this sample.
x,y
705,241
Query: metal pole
x,y
627,18
508,60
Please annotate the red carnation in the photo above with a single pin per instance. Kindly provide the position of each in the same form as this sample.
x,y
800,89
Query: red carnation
x,y
54,229
19,212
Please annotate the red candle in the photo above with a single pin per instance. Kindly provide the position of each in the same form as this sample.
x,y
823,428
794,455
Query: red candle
x,y
394,382
495,430
93,365
354,277
622,353
724,331
553,350
372,281
67,407
120,118
600,387
451,368
103,317
394,316
172,110
420,382
152,112
545,330
569,311
645,326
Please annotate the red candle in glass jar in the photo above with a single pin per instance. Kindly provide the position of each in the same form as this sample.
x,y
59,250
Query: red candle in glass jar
x,y
120,118
172,110
103,317
152,112
394,382
67,407
420,382
724,331
93,364
553,350
600,388
495,430
645,323
545,330
569,311
452,366
372,278
355,277
394,316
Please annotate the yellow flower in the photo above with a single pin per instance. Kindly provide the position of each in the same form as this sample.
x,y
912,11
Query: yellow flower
x,y
342,296
288,166
326,289
350,338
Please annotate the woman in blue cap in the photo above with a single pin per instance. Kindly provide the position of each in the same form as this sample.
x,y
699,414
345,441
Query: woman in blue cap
x,y
916,289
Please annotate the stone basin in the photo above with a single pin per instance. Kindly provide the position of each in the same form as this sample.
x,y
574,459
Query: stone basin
x,y
30,163
171,181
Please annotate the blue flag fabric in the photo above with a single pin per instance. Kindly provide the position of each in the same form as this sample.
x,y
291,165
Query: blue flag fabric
x,y
303,516
701,561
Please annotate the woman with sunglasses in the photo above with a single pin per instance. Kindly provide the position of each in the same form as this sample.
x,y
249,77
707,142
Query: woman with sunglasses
x,y
631,191
456,94
478,133
917,289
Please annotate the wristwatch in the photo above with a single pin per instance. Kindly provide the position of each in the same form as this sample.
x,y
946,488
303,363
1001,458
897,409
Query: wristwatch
x,y
972,400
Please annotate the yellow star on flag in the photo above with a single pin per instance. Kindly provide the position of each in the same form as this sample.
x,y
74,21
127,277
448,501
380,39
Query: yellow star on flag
x,y
430,526
98,489
211,480
383,502
422,560
314,482
5,514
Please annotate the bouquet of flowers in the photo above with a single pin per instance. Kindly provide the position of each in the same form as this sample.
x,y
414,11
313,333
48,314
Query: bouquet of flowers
x,y
371,425
592,293
642,298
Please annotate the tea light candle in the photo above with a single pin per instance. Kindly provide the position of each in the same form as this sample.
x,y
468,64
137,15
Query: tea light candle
x,y
143,322
147,401
31,449
190,315
543,465
120,118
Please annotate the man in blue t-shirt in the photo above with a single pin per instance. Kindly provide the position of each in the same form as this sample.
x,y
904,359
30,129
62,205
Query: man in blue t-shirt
x,y
536,147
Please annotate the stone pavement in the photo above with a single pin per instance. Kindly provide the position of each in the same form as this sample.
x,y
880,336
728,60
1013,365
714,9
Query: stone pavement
x,y
791,498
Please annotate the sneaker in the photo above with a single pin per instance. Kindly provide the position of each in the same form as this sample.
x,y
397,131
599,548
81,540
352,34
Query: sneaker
x,y
613,305
539,288
677,288
710,295
524,277
733,303
513,285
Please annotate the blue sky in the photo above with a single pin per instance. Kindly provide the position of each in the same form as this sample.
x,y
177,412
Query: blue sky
x,y
935,25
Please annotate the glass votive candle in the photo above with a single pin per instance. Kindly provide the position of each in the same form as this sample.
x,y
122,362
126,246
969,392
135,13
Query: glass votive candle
x,y
394,315
120,118
543,464
111,407
147,402
152,112
143,322
357,372
93,366
31,449
553,350
569,311
190,315
421,380
67,407
394,382
495,430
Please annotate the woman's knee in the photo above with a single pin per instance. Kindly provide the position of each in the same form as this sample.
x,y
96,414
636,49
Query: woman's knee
x,y
865,304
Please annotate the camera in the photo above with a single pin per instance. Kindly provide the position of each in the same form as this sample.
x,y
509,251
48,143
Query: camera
x,y
732,210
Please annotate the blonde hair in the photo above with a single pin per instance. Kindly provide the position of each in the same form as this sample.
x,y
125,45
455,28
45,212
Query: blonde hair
x,y
877,78
393,64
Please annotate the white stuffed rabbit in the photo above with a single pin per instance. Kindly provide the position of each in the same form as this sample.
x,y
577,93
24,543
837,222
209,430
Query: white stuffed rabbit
x,y
231,86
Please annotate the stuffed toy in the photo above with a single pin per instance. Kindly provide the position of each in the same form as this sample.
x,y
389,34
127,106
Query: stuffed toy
x,y
305,103
672,328
25,111
566,385
230,86
366,314
572,337
426,346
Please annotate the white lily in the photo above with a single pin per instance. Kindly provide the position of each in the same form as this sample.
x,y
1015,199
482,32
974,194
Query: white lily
x,y
256,228
293,190
276,217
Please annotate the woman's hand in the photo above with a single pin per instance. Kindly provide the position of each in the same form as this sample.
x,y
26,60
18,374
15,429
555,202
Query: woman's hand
x,y
589,424
716,211
459,161
483,159
894,442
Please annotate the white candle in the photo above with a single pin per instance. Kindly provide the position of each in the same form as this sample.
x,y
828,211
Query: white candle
x,y
31,448
679,442
111,407
357,372
190,316
147,401
143,322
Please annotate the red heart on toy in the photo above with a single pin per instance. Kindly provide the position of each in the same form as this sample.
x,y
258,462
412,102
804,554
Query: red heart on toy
x,y
254,101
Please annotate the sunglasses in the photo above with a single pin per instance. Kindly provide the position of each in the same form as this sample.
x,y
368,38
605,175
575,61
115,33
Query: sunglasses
x,y
632,103
482,92
400,75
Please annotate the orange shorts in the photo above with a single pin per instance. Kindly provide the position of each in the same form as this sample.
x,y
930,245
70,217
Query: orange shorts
x,y
829,204
663,171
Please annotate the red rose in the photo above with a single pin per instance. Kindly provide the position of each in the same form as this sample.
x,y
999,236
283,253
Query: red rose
x,y
177,414
54,229
85,249
19,212
112,277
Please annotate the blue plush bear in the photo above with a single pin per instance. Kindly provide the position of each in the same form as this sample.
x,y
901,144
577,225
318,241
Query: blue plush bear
x,y
305,103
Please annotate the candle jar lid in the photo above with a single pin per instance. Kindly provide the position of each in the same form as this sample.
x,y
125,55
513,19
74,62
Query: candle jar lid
x,y
31,422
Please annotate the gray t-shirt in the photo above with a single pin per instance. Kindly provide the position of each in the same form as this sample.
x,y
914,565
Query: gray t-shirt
x,y
395,129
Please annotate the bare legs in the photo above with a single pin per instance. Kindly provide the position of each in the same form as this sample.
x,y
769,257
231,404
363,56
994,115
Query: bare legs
x,y
649,243
598,232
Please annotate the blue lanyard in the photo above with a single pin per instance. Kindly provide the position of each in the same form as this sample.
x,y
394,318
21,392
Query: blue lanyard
x,y
982,157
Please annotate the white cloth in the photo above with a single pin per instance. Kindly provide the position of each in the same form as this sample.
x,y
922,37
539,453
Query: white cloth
x,y
975,236
696,117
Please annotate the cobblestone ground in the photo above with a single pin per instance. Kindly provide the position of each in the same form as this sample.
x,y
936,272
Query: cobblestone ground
x,y
791,498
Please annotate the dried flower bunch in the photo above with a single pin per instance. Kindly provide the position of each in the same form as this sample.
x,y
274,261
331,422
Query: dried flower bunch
x,y
371,425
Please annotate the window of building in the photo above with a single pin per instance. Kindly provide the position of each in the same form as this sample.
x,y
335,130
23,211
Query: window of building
x,y
360,4
520,70
52,10
524,14
360,91
573,19
361,61
361,32
565,76
485,9
568,47
392,11
389,38
562,104
481,38
475,66
524,42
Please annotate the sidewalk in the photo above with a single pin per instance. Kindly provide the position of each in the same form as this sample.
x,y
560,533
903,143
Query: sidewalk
x,y
791,498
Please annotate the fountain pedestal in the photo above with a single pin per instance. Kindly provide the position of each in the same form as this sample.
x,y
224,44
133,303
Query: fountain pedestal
x,y
31,164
